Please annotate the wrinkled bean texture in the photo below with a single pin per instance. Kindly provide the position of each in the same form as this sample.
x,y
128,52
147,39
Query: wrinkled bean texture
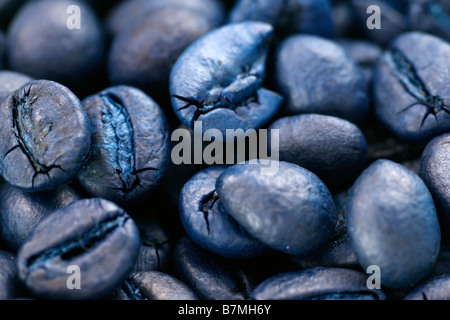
x,y
130,145
411,87
218,79
104,244
39,151
208,224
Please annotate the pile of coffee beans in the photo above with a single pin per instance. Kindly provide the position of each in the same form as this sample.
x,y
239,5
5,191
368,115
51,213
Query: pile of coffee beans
x,y
225,149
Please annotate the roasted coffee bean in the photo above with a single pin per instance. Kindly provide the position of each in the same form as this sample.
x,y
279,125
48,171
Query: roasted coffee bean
x,y
207,223
218,79
45,136
411,87
92,239
392,221
43,44
290,210
130,145
316,75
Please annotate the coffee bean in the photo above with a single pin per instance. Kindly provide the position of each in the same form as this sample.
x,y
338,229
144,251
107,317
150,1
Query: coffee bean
x,y
95,235
130,145
410,86
46,136
392,220
225,93
207,223
291,210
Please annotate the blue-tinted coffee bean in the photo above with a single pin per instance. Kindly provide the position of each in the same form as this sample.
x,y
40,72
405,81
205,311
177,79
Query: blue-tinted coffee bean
x,y
392,223
293,16
154,285
317,284
435,289
45,137
339,252
92,239
290,210
11,81
144,53
207,223
315,75
130,145
411,90
435,170
364,53
332,148
156,249
21,211
210,276
218,79
431,16
43,44
392,21
126,13
8,276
